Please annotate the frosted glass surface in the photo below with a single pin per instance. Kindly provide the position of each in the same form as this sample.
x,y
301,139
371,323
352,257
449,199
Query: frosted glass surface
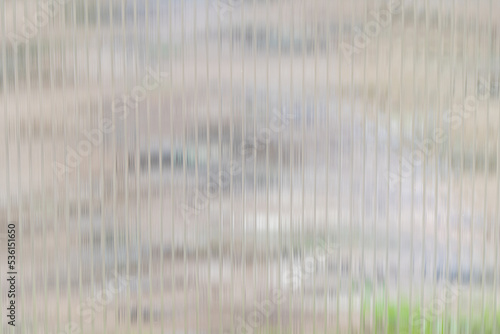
x,y
249,166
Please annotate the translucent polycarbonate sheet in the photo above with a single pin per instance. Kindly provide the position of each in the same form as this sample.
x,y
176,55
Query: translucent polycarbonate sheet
x,y
249,166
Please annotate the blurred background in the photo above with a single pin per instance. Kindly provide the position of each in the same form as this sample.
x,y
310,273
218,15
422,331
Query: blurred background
x,y
251,166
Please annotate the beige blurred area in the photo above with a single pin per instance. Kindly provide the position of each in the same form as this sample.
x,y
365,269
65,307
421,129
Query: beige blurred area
x,y
126,227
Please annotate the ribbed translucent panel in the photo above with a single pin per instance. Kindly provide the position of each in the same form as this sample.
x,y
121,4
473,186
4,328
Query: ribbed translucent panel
x,y
249,166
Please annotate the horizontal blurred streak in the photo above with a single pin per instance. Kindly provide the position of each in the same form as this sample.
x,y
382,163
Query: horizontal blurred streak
x,y
199,200
200,152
